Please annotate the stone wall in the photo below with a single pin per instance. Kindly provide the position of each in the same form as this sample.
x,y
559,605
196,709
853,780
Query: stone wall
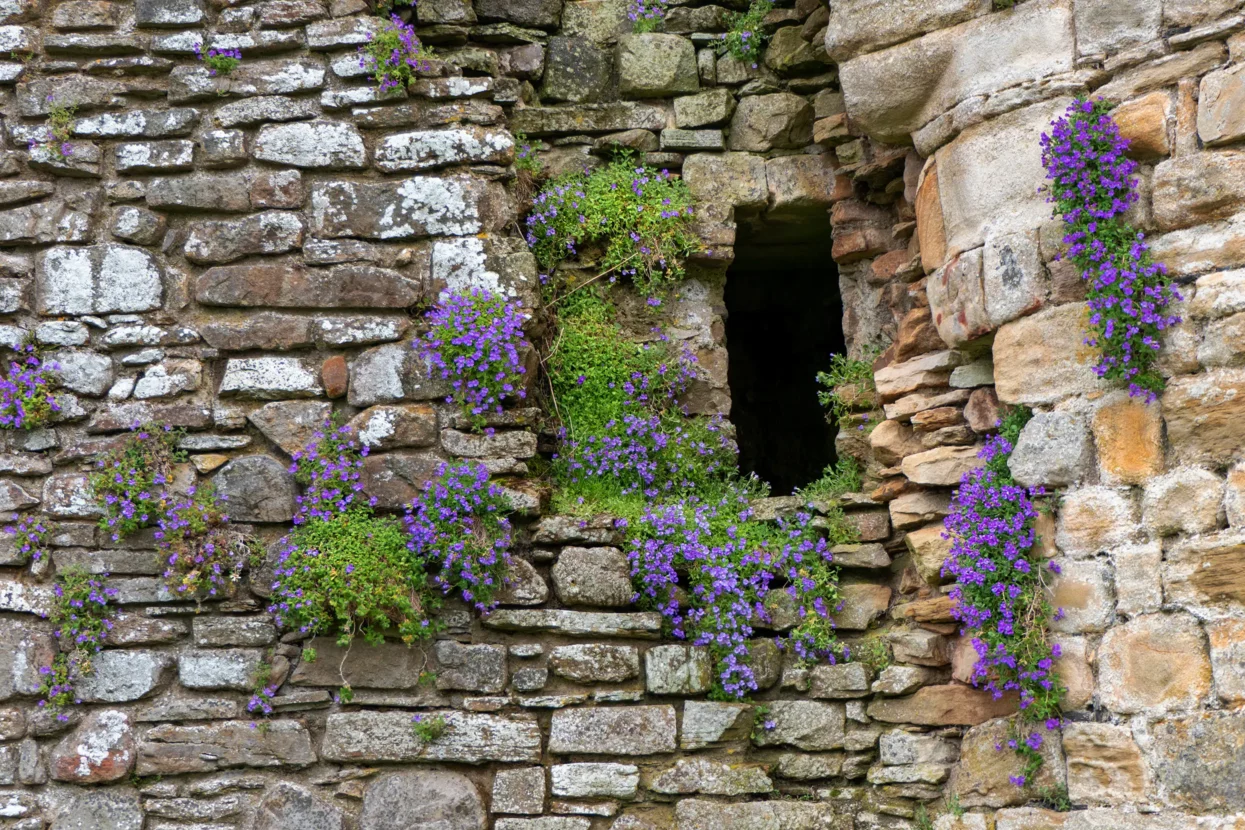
x,y
238,256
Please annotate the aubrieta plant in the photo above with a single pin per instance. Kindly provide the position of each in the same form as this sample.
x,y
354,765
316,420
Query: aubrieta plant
x,y
330,468
130,481
475,341
459,532
82,618
646,15
1092,188
218,61
26,400
394,56
204,555
525,158
745,40
641,217
710,569
30,533
1000,592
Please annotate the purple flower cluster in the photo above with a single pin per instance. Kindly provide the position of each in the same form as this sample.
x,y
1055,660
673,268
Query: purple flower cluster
x,y
476,342
711,573
459,532
646,15
30,535
1093,187
131,480
204,555
331,469
394,56
82,619
219,61
999,592
26,400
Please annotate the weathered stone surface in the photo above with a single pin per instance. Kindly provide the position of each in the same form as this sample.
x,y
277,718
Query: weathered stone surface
x,y
427,149
96,280
595,780
290,424
169,749
1105,765
288,806
710,108
706,723
25,649
656,66
423,798
256,488
695,814
519,791
384,666
311,144
891,93
595,663
677,670
394,427
99,750
1084,590
1092,519
929,550
941,465
78,808
701,775
805,724
473,668
1042,358
120,676
634,730
1227,649
234,669
983,776
1198,763
590,118
224,192
1156,663
576,71
942,706
593,576
1202,413
266,378
1053,450
844,680
469,738
775,121
262,234
863,603
1185,500
406,209
1206,571
1191,190
861,26
1128,437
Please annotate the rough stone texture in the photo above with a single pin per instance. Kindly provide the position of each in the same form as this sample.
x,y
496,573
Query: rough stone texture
x,y
287,806
1105,764
423,799
983,775
637,730
99,750
1154,663
469,738
1053,450
256,489
593,576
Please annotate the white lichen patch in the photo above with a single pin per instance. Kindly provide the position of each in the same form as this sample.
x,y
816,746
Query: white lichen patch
x,y
424,149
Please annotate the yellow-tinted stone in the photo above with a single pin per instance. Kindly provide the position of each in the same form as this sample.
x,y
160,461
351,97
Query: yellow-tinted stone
x,y
1129,437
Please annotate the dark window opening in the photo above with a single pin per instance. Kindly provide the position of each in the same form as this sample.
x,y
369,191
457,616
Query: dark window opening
x,y
784,320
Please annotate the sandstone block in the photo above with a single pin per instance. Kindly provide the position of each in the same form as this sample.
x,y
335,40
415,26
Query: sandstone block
x,y
1092,519
1042,358
940,466
1220,100
1138,578
1128,435
1198,763
983,776
1206,571
1202,411
1155,663
1186,500
1053,450
1084,590
1227,656
946,705
1143,122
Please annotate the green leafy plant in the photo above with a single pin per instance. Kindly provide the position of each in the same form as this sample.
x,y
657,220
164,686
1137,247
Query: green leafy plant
x,y
954,807
428,727
130,481
640,217
394,56
1055,797
59,128
26,399
921,819
872,652
82,618
204,554
525,158
843,476
848,386
745,39
219,61
30,533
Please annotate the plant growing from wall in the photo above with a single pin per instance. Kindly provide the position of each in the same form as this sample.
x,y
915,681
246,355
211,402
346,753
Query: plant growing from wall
x,y
525,158
30,534
428,727
58,130
848,385
82,618
204,555
218,61
745,39
394,56
330,468
1129,294
26,400
646,15
640,217
843,476
130,481
1000,591
475,341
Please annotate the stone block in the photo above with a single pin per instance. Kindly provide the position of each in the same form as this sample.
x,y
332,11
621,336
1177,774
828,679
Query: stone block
x,y
1093,519
804,724
427,149
1143,123
1221,98
701,775
861,26
1206,571
635,730
1197,761
408,208
469,738
710,108
943,466
984,775
678,670
1198,188
1227,657
595,663
779,120
99,279
99,750
1128,434
120,676
1111,26
1042,358
288,806
261,234
929,550
706,723
1138,578
1084,591
1053,450
256,488
235,669
422,798
576,71
1185,500
520,791
656,66
863,603
1155,664
946,705
1202,413
733,179
471,668
595,780
593,576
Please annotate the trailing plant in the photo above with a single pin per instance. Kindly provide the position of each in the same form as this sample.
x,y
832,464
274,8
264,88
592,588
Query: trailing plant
x,y
26,400
1000,593
428,727
82,619
59,127
260,702
641,216
646,15
843,476
204,555
219,61
709,570
847,384
460,535
745,39
29,536
1093,186
130,481
394,56
330,468
475,341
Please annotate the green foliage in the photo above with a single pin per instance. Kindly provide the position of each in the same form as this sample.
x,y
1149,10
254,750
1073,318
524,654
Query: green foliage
x,y
525,158
204,554
921,819
848,384
428,727
130,481
1055,798
954,807
352,575
60,124
745,40
872,652
843,476
640,216
82,619
394,56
